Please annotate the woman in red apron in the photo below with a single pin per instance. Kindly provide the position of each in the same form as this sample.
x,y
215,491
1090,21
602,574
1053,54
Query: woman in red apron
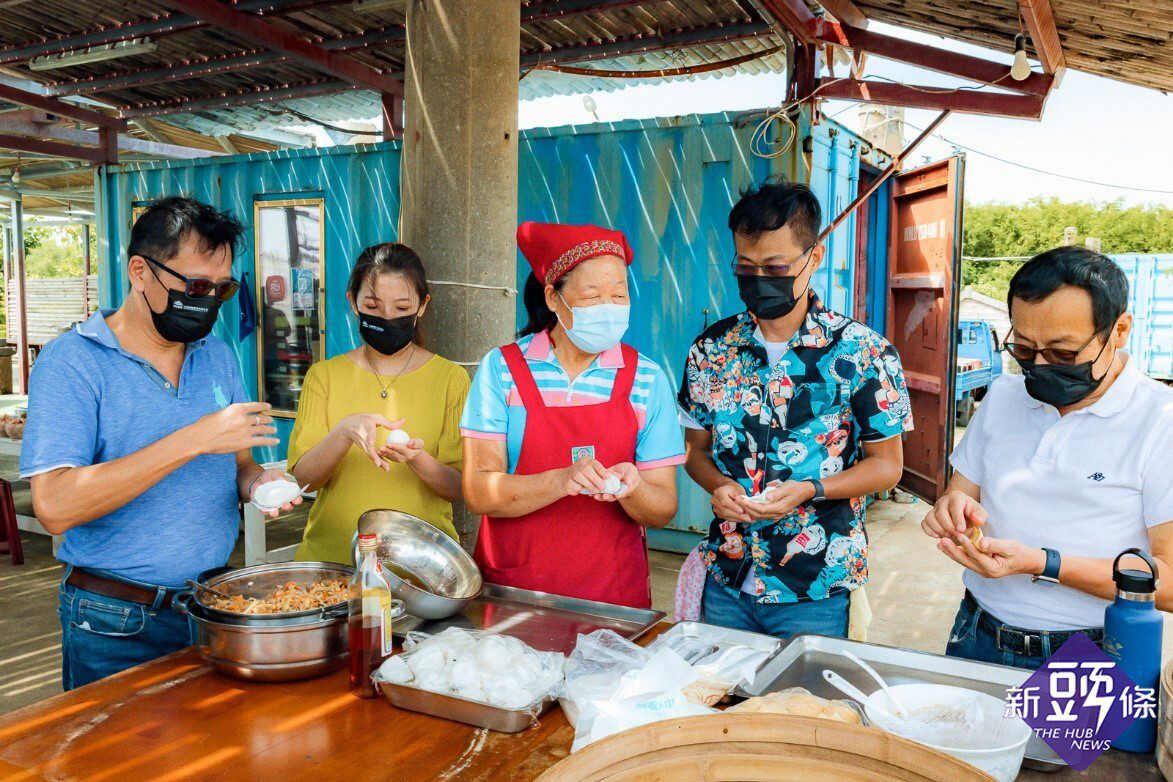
x,y
556,441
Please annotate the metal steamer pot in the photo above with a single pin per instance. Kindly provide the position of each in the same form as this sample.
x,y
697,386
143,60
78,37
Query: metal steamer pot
x,y
269,647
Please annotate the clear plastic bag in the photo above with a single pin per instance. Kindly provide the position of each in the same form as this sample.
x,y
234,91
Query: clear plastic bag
x,y
489,668
710,651
612,685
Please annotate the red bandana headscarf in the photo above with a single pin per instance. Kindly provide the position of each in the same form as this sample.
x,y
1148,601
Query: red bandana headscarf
x,y
553,249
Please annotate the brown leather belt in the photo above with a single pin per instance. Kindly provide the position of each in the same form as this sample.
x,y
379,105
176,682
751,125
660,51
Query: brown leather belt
x,y
119,590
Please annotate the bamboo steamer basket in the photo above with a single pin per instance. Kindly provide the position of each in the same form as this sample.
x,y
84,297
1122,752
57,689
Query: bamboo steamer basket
x,y
1165,723
759,748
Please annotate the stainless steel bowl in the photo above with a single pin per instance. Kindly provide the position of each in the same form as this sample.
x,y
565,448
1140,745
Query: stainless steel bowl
x,y
287,650
260,581
410,544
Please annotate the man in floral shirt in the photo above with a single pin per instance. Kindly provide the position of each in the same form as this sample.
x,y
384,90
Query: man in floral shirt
x,y
793,415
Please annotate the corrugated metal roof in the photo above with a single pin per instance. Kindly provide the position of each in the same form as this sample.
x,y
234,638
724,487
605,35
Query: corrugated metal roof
x,y
230,78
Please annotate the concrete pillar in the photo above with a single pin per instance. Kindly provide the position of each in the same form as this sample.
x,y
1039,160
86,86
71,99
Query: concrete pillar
x,y
459,171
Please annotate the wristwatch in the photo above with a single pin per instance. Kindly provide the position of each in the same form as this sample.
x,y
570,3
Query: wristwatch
x,y
1050,572
819,494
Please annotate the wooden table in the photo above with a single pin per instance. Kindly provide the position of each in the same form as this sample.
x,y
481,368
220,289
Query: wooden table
x,y
176,720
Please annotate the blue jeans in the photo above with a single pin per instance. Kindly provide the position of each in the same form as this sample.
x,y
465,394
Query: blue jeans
x,y
971,639
101,636
781,620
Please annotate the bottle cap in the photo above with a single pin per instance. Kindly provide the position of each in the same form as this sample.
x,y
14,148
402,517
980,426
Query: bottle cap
x,y
1130,580
368,542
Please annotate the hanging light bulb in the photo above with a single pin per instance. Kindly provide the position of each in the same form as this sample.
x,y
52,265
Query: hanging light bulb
x,y
1020,70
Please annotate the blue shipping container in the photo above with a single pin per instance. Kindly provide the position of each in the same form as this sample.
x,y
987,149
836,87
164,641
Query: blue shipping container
x,y
1150,300
667,183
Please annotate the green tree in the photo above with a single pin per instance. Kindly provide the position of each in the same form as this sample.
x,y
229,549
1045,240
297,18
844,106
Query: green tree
x,y
56,250
1001,230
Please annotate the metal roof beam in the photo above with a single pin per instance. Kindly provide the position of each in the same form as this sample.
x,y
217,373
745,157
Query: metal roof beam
x,y
309,89
675,39
1044,35
845,11
22,126
211,66
36,146
563,54
167,24
60,107
941,60
254,28
917,97
792,16
561,9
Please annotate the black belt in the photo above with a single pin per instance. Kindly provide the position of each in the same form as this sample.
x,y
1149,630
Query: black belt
x,y
1028,643
119,590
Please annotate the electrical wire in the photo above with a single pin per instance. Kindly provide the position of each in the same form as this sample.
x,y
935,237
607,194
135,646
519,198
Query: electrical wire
x,y
1044,171
760,137
319,123
657,73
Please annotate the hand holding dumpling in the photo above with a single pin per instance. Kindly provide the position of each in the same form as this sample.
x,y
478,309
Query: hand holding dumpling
x,y
401,447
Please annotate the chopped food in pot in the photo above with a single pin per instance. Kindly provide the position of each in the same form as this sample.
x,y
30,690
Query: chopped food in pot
x,y
290,596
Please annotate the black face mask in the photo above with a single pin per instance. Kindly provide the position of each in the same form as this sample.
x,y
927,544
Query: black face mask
x,y
768,298
386,336
186,318
1062,385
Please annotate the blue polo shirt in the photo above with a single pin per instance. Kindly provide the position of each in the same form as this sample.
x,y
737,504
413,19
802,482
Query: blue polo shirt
x,y
90,402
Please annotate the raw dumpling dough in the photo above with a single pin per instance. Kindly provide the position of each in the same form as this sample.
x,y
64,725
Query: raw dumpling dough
x,y
396,670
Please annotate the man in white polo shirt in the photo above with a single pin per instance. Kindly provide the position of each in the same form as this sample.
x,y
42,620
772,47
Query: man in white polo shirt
x,y
1062,468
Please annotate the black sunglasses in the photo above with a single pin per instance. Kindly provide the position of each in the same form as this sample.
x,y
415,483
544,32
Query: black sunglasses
x,y
198,287
773,269
1026,355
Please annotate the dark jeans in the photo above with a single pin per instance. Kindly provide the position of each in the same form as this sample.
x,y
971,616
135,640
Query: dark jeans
x,y
101,636
972,639
781,620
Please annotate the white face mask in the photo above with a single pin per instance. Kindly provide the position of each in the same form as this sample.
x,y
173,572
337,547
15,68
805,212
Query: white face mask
x,y
599,327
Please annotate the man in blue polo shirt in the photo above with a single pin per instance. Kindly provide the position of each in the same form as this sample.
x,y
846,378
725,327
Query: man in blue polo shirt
x,y
137,444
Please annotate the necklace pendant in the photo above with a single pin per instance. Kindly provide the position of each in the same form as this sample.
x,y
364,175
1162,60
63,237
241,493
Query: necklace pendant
x,y
383,394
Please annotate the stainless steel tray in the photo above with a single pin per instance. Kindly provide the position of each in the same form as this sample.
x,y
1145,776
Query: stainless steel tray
x,y
450,707
548,623
803,659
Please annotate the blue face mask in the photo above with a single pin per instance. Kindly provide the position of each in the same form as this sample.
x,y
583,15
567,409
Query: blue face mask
x,y
599,327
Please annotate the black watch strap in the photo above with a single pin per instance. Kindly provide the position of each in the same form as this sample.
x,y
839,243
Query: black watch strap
x,y
1050,572
819,494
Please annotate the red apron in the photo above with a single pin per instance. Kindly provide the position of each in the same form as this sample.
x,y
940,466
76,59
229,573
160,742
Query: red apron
x,y
577,546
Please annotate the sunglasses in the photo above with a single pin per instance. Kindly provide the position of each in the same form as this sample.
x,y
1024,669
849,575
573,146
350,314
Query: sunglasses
x,y
1027,355
198,287
789,269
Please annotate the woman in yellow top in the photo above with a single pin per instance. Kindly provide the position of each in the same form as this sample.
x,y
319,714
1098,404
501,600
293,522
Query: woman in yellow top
x,y
388,382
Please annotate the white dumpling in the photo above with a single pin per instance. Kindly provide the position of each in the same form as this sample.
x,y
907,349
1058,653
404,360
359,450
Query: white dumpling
x,y
497,654
427,659
465,674
470,693
396,670
504,693
453,638
432,681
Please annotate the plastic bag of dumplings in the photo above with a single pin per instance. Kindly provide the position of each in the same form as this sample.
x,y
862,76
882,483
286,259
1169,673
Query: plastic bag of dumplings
x,y
612,685
490,668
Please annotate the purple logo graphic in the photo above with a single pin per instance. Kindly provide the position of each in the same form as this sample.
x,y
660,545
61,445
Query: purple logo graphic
x,y
1079,702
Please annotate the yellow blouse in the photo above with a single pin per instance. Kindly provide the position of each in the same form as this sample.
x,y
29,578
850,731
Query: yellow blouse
x,y
430,398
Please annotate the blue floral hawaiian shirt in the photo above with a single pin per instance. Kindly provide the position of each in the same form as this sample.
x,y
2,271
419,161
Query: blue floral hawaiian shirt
x,y
840,384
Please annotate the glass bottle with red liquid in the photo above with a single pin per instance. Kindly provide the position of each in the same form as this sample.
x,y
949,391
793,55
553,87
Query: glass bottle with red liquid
x,y
372,610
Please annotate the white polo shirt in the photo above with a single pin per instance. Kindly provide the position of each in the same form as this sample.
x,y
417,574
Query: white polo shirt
x,y
1088,484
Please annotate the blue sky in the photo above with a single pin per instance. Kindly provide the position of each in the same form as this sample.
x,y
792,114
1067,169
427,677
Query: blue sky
x,y
1093,128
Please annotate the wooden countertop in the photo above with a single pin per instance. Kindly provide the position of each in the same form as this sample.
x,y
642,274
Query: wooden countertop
x,y
176,720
